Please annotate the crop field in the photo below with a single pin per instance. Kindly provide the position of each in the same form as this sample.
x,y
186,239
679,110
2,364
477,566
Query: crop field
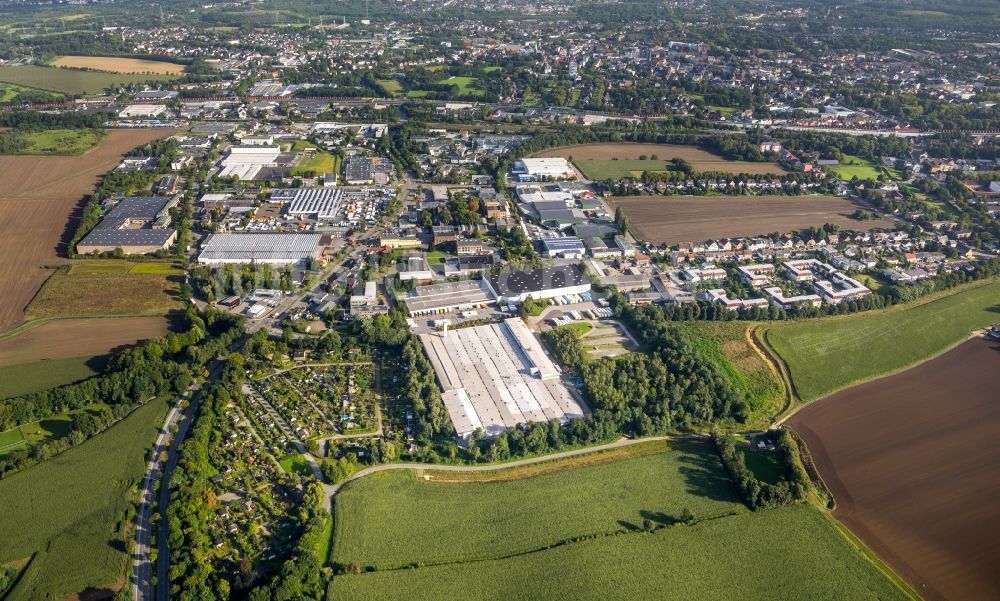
x,y
588,541
910,462
108,288
824,355
677,219
72,338
39,200
25,378
117,64
72,512
726,344
601,158
72,81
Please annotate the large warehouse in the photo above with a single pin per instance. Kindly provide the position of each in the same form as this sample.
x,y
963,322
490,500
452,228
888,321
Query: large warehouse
x,y
536,170
137,225
276,249
497,376
436,299
246,162
323,203
547,282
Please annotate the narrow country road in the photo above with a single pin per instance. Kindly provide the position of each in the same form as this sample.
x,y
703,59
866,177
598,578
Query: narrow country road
x,y
142,584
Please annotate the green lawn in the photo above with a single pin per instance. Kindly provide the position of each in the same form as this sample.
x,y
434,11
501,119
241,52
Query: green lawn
x,y
391,86
392,519
318,164
66,142
435,257
851,166
598,169
72,81
579,327
77,506
25,378
575,530
824,355
295,463
9,92
11,437
764,465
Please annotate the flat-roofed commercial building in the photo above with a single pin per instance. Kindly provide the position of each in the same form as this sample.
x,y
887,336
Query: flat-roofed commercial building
x,y
547,282
137,225
437,299
538,169
497,376
246,162
276,249
324,203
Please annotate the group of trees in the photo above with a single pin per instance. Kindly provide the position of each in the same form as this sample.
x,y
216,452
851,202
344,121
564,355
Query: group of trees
x,y
794,485
133,376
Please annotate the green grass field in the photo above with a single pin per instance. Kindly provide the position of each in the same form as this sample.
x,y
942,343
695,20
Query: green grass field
x,y
467,86
725,344
597,169
318,164
391,86
824,355
9,91
852,166
391,519
577,534
295,463
790,553
65,142
71,81
77,507
25,378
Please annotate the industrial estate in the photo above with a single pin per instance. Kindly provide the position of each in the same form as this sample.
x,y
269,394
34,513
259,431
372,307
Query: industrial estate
x,y
576,300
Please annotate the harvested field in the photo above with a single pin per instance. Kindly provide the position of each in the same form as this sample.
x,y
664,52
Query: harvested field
x,y
39,200
676,219
65,338
909,459
700,159
117,64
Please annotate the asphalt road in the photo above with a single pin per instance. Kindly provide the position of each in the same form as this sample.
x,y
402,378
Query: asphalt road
x,y
142,586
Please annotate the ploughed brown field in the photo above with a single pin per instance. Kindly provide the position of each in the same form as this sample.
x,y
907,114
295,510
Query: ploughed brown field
x,y
66,338
701,160
677,219
40,199
913,463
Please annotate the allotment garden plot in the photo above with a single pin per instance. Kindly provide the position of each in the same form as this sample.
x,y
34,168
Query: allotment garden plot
x,y
314,402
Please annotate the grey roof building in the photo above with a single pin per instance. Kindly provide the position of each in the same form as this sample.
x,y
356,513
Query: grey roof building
x,y
279,249
137,225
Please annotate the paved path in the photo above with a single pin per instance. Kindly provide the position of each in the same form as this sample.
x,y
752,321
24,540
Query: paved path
x,y
332,489
142,587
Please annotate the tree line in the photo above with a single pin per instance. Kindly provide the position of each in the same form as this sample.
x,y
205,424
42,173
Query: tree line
x,y
133,376
758,494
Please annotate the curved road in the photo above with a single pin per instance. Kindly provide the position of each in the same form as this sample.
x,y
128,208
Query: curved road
x,y
332,489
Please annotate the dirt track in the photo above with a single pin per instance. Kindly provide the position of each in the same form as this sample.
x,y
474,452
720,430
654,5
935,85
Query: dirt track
x,y
39,201
677,219
912,462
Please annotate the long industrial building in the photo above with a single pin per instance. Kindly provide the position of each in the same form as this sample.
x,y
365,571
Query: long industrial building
x,y
246,162
497,376
324,203
276,249
137,225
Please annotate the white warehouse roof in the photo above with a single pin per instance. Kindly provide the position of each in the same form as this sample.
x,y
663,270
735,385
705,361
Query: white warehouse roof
x,y
260,248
